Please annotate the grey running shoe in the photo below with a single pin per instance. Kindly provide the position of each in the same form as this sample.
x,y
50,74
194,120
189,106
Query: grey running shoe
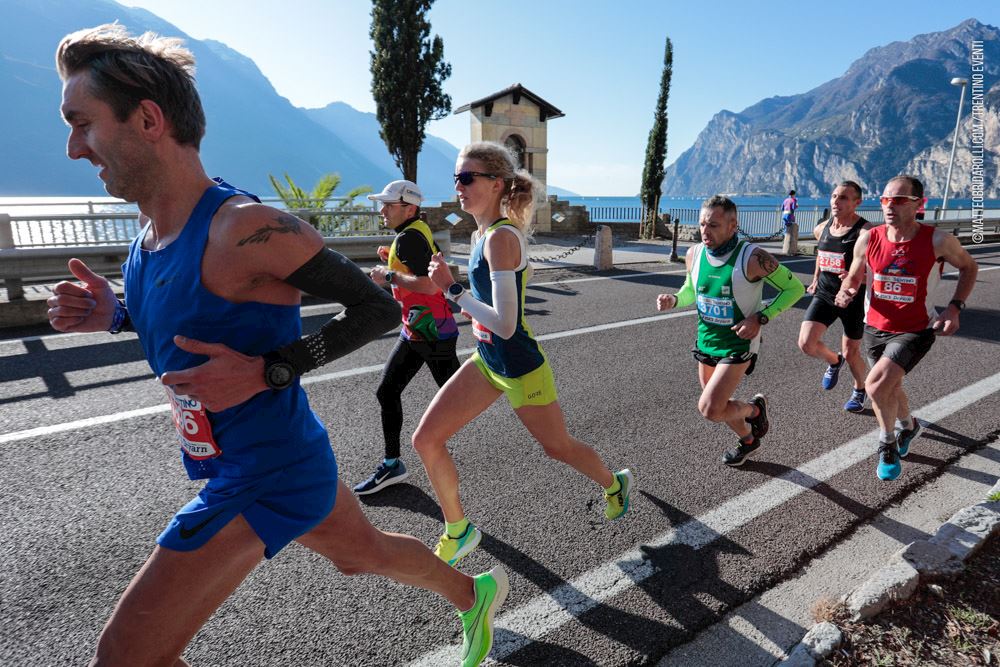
x,y
384,476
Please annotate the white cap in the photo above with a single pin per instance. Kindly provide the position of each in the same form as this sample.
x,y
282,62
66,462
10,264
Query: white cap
x,y
400,191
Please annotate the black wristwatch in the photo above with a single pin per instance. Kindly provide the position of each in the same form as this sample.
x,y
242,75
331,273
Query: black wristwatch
x,y
390,276
762,319
455,291
958,303
278,373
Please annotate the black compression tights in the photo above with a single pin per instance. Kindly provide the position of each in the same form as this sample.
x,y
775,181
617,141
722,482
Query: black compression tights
x,y
404,362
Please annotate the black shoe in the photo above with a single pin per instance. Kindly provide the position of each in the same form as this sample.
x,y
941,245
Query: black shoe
x,y
758,424
738,455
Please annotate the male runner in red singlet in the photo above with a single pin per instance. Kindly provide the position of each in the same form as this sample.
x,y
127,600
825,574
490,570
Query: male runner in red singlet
x,y
903,261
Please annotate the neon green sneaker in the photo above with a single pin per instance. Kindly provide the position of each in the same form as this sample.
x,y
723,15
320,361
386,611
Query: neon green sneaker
x,y
618,502
477,623
451,549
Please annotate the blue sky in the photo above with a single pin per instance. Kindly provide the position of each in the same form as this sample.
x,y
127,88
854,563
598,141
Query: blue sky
x,y
598,61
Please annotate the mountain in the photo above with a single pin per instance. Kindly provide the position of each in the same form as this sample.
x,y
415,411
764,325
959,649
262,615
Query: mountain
x,y
893,111
252,130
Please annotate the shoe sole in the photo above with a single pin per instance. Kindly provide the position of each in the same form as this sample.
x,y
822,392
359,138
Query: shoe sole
x,y
389,482
767,423
467,548
627,474
503,587
920,431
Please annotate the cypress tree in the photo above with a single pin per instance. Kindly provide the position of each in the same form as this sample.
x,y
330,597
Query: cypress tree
x,y
408,70
656,151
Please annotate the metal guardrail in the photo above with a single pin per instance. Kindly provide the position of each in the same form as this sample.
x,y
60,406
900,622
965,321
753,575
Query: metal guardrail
x,y
105,248
82,229
760,221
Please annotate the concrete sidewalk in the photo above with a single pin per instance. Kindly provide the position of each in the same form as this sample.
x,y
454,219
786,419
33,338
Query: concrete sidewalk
x,y
765,629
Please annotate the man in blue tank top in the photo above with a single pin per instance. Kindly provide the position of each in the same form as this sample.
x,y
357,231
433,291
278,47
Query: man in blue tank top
x,y
212,287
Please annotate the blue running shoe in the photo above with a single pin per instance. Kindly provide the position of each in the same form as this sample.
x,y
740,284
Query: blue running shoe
x,y
905,436
384,476
856,403
832,374
889,465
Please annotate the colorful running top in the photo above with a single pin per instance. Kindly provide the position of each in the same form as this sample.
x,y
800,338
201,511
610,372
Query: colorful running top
x,y
165,297
834,254
901,277
724,296
400,261
520,354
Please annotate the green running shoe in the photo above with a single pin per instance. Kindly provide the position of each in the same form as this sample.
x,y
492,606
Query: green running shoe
x,y
618,502
451,549
477,623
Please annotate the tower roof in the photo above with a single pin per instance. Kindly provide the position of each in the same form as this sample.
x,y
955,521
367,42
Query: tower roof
x,y
547,110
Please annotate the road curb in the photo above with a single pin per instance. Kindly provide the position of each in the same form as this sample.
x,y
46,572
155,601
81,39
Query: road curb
x,y
943,555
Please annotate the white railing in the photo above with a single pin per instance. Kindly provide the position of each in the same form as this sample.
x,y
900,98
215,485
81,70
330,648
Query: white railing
x,y
116,228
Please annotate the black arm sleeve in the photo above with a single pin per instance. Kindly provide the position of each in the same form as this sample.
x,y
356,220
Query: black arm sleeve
x,y
369,311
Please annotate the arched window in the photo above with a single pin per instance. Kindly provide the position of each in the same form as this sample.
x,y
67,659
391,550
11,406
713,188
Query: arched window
x,y
516,145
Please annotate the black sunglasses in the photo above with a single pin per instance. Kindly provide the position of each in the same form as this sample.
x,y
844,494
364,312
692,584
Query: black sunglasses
x,y
466,177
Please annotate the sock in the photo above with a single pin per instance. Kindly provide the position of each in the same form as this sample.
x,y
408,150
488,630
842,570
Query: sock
x,y
840,360
886,437
390,462
905,424
861,390
615,487
456,529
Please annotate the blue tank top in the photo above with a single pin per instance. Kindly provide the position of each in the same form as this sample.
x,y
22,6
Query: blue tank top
x,y
165,297
519,354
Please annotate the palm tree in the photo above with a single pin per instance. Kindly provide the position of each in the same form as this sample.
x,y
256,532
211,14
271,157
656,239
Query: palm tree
x,y
297,199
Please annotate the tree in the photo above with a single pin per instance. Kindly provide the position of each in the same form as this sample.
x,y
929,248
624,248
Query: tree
x,y
408,69
297,199
656,151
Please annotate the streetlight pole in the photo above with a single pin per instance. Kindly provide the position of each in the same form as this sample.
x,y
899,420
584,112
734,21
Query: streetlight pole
x,y
957,81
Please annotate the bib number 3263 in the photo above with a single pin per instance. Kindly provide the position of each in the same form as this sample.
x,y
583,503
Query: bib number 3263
x,y
193,428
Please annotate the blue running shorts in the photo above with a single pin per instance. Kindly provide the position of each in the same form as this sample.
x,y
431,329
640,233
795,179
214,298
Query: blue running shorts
x,y
280,506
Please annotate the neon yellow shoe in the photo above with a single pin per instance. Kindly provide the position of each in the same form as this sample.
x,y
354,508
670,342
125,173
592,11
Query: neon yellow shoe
x,y
477,623
618,502
451,549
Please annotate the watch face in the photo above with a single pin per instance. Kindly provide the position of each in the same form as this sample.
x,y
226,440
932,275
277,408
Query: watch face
x,y
279,375
455,289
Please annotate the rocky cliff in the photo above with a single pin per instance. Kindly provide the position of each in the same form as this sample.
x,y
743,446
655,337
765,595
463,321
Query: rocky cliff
x,y
893,111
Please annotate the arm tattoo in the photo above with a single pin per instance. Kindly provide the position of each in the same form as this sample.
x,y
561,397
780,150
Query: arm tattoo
x,y
766,261
287,224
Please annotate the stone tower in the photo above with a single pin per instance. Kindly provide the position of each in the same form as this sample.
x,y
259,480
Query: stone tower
x,y
516,117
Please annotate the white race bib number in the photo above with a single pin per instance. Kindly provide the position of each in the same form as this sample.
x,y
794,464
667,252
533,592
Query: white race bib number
x,y
716,310
833,262
902,289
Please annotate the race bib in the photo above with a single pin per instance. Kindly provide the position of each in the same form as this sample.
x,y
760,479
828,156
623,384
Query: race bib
x,y
481,333
902,289
834,262
193,428
714,310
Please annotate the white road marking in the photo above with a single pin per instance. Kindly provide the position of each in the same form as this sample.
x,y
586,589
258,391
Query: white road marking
x,y
312,379
517,628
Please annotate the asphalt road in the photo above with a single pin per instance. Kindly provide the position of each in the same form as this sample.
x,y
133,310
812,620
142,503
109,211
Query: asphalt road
x,y
83,498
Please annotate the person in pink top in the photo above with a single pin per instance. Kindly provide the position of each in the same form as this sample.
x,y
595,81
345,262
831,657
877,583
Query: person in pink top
x,y
901,262
788,209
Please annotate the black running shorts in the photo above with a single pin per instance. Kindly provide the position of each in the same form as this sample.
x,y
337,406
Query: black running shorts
x,y
905,349
742,358
852,317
